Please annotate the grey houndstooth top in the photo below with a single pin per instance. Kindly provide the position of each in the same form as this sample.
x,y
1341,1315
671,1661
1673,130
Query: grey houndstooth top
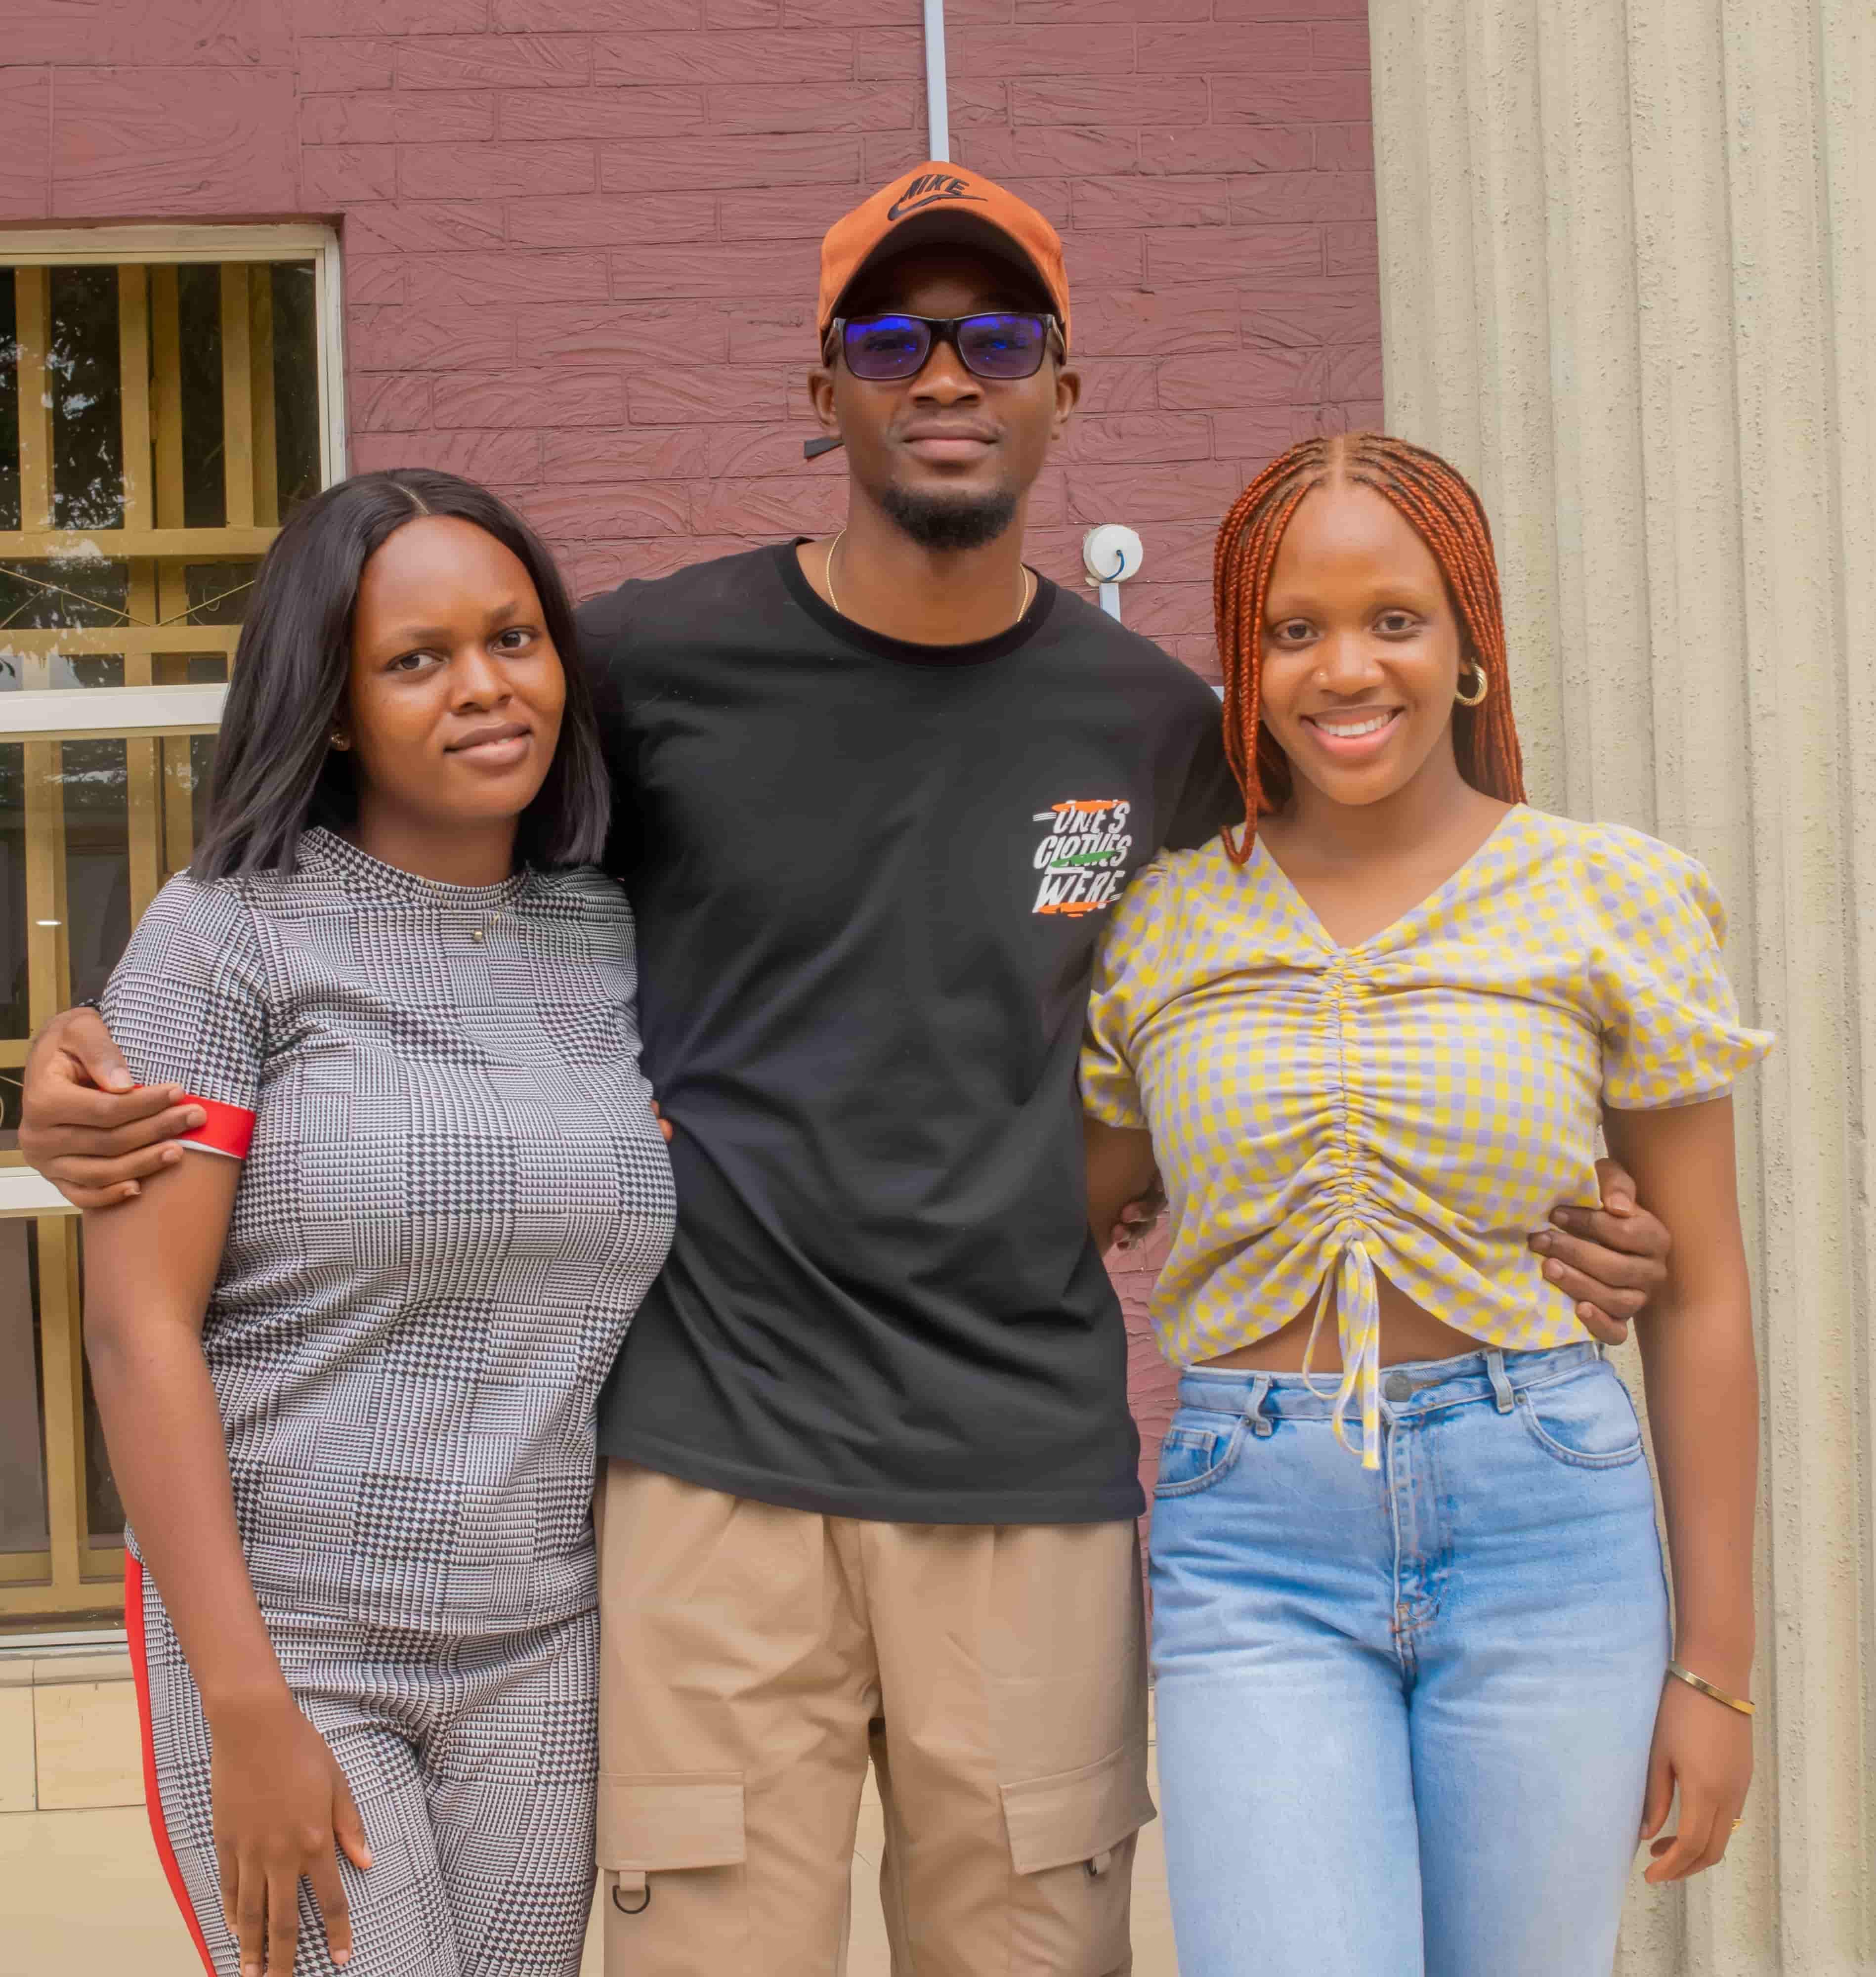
x,y
455,1196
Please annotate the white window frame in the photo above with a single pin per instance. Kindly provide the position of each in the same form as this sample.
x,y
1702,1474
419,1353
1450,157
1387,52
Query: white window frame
x,y
70,247
74,713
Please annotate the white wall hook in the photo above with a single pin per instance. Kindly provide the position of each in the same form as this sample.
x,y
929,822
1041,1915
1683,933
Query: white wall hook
x,y
1110,554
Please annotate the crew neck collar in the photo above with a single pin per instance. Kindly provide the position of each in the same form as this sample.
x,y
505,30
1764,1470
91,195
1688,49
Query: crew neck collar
x,y
320,847
907,651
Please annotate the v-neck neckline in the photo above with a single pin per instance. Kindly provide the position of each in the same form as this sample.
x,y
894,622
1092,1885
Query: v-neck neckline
x,y
1301,909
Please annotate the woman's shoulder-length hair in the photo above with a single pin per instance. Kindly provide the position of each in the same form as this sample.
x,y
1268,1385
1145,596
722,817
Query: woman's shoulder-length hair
x,y
275,771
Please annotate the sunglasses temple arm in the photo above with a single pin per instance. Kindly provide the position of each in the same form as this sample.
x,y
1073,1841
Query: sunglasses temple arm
x,y
812,449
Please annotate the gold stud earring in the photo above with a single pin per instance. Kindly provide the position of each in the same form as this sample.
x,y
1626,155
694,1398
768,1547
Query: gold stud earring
x,y
1484,687
338,739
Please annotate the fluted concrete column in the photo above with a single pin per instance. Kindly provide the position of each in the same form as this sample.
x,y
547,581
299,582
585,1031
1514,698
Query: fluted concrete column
x,y
1628,278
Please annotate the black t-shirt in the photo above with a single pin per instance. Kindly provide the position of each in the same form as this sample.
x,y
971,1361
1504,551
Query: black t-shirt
x,y
868,878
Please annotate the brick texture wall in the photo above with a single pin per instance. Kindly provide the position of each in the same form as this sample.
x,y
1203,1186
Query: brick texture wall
x,y
580,239
580,234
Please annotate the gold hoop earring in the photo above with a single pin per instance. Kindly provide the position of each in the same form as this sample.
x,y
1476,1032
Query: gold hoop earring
x,y
1484,687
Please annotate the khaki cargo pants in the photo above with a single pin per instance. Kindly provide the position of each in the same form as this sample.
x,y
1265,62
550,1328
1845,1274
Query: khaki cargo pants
x,y
754,1657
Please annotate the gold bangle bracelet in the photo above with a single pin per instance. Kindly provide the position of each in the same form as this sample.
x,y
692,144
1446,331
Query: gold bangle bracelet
x,y
1706,1688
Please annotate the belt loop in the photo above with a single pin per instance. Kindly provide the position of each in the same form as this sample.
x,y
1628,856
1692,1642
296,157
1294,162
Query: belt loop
x,y
1253,1406
1501,1386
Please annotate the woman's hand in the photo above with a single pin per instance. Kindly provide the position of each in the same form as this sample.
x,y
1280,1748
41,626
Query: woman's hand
x,y
282,1806
1706,1749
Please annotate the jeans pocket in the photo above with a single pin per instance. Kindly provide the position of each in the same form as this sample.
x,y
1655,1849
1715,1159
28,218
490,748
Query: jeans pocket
x,y
1586,1419
1192,1459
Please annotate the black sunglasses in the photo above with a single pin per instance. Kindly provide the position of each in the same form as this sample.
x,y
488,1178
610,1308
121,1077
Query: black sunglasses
x,y
1002,345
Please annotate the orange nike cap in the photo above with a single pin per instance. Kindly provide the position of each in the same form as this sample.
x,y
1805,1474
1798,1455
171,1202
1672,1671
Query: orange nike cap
x,y
940,203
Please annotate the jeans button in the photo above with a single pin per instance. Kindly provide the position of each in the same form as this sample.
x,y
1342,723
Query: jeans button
x,y
1398,1388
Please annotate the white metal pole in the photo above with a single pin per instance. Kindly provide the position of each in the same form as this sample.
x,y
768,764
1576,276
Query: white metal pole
x,y
938,97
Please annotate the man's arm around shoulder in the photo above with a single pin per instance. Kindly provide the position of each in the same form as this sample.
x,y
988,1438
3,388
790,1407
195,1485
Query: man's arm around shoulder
x,y
85,1123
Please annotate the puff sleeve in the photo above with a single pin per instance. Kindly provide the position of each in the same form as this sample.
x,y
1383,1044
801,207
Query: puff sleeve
x,y
187,1005
1127,967
1671,1033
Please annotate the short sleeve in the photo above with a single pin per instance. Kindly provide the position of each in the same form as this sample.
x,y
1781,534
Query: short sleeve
x,y
1671,1029
1209,797
187,1005
1126,969
606,656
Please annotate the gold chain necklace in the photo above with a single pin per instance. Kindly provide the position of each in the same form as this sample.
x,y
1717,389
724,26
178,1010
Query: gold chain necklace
x,y
1022,608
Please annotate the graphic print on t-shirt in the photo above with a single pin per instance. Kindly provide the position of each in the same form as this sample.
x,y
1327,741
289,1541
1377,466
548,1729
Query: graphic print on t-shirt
x,y
1083,857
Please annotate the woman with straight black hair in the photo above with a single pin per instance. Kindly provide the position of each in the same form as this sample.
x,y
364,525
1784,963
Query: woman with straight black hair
x,y
276,772
347,1351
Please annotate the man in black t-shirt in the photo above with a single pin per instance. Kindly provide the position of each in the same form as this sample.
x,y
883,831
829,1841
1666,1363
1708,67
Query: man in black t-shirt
x,y
872,1476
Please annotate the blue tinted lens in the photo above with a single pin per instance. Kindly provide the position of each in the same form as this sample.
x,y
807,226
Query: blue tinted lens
x,y
1003,346
887,346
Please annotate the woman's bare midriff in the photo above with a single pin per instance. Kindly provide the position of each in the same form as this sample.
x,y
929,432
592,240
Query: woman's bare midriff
x,y
1407,1333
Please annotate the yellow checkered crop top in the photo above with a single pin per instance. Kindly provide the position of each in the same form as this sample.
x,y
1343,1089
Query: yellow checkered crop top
x,y
1416,1104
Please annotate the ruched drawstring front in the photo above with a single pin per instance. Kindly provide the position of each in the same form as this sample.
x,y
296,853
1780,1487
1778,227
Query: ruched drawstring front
x,y
1357,1297
1408,1108
1358,1328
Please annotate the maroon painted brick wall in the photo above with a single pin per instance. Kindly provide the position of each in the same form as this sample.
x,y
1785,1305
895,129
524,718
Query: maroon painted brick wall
x,y
580,239
580,234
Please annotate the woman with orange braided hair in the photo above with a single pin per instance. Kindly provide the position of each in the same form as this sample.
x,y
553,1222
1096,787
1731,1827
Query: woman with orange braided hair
x,y
1416,1693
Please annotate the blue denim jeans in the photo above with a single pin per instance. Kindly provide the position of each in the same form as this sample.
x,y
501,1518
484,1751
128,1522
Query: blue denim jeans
x,y
1404,1716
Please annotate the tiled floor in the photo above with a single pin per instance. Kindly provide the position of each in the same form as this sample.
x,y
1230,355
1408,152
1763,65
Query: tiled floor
x,y
81,1891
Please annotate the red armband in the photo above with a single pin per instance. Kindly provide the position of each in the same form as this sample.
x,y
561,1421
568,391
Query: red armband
x,y
228,1130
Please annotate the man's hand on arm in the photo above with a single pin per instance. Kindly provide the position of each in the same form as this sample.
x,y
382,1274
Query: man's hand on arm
x,y
1609,1260
85,1122
1139,1218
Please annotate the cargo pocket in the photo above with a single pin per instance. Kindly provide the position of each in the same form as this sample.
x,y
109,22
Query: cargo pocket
x,y
671,1851
1071,1842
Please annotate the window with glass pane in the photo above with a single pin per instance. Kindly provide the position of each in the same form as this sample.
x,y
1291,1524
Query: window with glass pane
x,y
158,418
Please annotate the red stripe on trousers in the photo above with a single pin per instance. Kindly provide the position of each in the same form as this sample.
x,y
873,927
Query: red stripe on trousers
x,y
153,1796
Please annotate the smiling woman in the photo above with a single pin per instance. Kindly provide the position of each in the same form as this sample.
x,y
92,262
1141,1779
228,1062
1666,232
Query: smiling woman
x,y
347,1367
1370,1041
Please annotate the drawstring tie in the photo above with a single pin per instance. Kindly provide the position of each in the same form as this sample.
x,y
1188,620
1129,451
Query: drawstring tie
x,y
1358,1326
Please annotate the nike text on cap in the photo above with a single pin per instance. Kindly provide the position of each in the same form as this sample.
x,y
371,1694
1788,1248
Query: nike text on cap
x,y
940,202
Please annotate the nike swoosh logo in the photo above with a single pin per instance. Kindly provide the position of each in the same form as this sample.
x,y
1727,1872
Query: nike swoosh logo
x,y
900,207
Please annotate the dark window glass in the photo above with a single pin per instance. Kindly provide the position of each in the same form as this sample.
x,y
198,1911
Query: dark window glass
x,y
82,374
13,1016
9,403
97,860
296,383
23,1525
218,592
199,324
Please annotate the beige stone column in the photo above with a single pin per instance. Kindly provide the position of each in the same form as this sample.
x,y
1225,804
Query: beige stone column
x,y
1628,275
